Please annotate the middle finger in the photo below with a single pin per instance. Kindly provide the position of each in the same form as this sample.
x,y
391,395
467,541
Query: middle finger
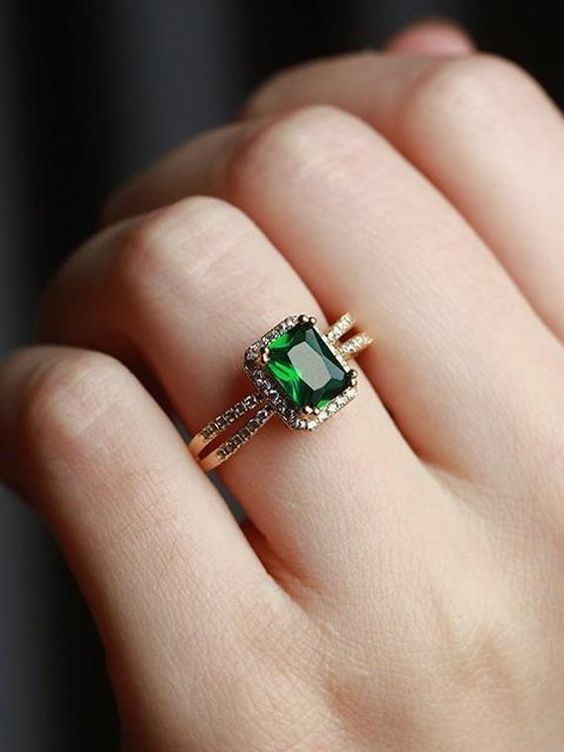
x,y
461,358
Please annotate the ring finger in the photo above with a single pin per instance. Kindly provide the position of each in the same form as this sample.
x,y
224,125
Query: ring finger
x,y
185,290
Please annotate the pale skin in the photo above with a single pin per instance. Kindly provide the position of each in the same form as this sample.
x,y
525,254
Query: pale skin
x,y
399,583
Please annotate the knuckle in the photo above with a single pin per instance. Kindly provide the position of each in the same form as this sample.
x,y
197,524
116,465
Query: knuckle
x,y
173,244
142,251
66,395
294,145
464,94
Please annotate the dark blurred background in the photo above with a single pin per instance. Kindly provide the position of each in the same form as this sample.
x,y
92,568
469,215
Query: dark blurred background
x,y
90,92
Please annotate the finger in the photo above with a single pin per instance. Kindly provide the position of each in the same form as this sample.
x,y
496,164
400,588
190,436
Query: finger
x,y
435,36
188,289
164,567
480,129
460,357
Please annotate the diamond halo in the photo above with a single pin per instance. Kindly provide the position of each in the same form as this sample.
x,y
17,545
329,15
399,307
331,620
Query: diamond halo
x,y
266,384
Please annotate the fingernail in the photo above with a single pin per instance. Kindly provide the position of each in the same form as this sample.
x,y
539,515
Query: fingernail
x,y
433,35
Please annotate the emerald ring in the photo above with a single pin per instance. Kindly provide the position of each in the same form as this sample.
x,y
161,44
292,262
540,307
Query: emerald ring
x,y
299,373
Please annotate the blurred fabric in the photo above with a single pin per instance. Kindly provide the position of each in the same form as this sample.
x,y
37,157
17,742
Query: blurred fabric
x,y
91,92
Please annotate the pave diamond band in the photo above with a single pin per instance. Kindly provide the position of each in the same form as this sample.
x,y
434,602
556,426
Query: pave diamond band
x,y
340,327
299,373
223,421
354,345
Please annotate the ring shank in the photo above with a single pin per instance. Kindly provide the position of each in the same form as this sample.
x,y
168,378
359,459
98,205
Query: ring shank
x,y
238,439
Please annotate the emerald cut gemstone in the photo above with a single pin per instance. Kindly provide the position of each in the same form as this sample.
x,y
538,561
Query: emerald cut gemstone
x,y
306,368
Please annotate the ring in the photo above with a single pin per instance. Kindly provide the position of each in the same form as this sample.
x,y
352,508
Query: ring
x,y
299,373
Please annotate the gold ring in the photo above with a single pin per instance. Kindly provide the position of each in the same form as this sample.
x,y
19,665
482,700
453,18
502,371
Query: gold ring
x,y
298,372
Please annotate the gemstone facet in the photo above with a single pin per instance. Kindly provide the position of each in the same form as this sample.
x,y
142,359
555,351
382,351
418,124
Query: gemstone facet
x,y
306,369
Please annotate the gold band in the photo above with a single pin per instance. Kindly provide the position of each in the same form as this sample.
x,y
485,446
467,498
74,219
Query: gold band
x,y
265,401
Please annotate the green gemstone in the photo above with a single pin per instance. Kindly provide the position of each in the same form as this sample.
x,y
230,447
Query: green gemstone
x,y
305,368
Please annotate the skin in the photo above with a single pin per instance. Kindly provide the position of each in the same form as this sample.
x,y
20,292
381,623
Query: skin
x,y
398,583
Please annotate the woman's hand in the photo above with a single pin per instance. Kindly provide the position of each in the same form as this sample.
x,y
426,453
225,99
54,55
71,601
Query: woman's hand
x,y
399,583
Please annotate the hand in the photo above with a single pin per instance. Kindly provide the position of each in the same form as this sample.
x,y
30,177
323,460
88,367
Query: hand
x,y
398,585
